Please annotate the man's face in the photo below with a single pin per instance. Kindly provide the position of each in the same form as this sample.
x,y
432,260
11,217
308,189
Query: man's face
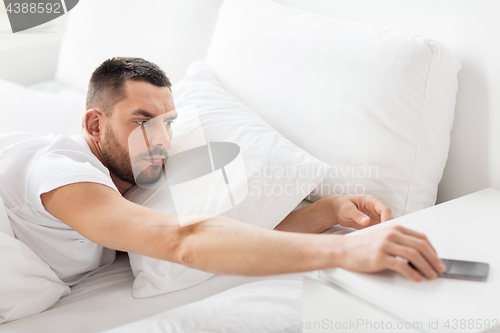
x,y
137,134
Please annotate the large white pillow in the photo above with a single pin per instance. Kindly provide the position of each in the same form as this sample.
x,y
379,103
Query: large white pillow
x,y
375,104
278,173
27,284
40,112
170,33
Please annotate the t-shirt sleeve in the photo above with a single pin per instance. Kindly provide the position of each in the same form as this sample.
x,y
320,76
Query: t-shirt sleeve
x,y
54,170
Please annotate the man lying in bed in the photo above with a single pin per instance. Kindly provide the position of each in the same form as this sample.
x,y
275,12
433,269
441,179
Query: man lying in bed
x,y
67,205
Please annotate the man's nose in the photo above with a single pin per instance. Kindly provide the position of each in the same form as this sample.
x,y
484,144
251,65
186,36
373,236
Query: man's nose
x,y
158,136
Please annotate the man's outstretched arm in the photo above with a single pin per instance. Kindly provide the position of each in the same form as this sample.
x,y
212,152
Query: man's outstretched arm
x,y
226,246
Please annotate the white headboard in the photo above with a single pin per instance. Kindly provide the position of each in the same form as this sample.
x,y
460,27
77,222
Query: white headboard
x,y
470,29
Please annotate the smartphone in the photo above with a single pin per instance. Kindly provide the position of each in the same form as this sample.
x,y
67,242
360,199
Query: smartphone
x,y
464,270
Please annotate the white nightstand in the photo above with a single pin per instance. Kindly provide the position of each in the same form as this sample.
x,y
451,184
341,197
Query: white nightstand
x,y
466,228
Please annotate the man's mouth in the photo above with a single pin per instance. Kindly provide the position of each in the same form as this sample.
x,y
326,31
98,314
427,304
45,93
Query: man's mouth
x,y
156,159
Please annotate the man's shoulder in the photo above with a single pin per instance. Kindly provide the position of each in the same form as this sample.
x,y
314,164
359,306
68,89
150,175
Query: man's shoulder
x,y
27,150
63,143
24,154
39,164
17,141
70,152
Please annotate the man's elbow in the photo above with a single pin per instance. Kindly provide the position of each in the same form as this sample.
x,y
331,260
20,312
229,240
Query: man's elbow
x,y
184,249
185,256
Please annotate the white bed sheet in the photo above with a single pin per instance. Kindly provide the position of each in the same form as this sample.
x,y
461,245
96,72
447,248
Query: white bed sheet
x,y
258,307
104,301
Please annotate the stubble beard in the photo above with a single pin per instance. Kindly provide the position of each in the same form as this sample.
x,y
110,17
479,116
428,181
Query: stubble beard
x,y
117,160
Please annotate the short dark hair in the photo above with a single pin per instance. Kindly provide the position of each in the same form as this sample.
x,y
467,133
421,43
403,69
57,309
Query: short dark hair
x,y
106,84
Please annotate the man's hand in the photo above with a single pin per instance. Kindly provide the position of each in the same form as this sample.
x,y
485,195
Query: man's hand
x,y
358,211
354,211
386,248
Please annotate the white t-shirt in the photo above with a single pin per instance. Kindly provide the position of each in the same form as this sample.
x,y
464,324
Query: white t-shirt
x,y
31,165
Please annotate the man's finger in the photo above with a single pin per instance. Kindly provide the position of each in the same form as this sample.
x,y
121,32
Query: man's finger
x,y
417,241
415,257
385,214
374,206
355,214
404,269
423,245
418,235
384,211
411,232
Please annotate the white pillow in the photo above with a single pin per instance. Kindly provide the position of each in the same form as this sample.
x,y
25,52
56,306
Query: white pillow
x,y
27,284
278,173
170,33
375,104
40,112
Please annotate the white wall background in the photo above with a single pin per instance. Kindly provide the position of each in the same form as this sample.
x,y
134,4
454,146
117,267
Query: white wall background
x,y
471,28
16,50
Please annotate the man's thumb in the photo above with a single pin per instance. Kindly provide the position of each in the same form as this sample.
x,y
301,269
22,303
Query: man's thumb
x,y
362,218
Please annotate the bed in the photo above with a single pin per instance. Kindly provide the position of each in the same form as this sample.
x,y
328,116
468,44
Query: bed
x,y
104,301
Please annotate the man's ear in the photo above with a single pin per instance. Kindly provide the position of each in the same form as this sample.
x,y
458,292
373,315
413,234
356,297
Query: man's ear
x,y
92,123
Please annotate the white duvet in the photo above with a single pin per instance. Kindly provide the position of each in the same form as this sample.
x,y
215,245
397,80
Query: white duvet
x,y
258,307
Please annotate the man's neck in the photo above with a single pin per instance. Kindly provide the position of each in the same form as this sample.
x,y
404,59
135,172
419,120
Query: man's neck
x,y
121,185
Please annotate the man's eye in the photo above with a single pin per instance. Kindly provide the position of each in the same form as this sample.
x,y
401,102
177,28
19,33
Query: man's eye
x,y
168,123
143,122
